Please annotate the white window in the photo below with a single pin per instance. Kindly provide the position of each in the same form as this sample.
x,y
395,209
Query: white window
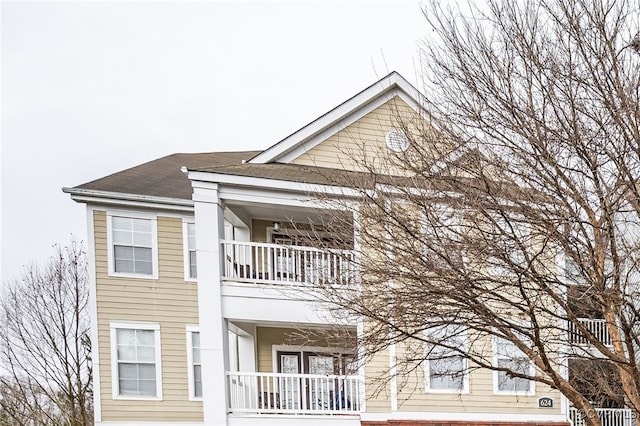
x,y
194,365
513,239
444,227
445,368
135,361
133,245
189,242
507,355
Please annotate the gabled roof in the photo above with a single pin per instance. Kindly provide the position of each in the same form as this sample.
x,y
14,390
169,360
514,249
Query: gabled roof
x,y
163,180
341,116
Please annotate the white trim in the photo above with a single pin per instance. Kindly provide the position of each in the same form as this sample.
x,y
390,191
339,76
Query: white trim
x,y
291,420
357,249
465,369
148,423
153,218
306,137
464,416
393,360
496,384
274,184
128,200
93,313
134,325
185,249
190,329
313,349
348,120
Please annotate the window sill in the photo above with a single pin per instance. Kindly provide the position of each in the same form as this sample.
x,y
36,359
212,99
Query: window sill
x,y
134,276
137,398
514,393
448,391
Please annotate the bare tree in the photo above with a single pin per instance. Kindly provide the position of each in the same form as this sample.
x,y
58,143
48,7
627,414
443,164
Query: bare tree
x,y
44,343
515,213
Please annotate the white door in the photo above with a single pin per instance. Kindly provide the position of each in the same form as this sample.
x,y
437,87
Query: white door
x,y
321,389
289,387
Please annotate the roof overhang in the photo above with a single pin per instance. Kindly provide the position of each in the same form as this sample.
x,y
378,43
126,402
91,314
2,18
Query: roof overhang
x,y
90,196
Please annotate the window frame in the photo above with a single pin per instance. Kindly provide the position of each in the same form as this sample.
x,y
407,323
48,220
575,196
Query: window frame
x,y
462,336
190,329
521,231
115,378
153,218
187,249
496,376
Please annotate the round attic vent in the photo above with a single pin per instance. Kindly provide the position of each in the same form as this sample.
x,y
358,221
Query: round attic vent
x,y
396,141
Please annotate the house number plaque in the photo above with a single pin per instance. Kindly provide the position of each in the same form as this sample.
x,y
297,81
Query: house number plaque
x,y
545,402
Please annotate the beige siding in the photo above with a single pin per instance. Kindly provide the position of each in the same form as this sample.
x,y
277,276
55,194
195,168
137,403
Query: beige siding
x,y
268,337
412,395
169,301
363,140
377,389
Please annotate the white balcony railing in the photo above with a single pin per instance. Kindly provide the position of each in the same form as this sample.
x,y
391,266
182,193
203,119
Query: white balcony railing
x,y
608,416
276,393
597,327
283,264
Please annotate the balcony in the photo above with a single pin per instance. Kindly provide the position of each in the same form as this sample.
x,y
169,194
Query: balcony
x,y
285,265
608,416
597,327
286,394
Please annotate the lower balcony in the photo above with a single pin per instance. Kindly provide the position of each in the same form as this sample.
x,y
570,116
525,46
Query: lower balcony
x,y
253,393
608,416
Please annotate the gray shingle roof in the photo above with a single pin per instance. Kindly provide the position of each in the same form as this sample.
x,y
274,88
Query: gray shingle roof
x,y
162,177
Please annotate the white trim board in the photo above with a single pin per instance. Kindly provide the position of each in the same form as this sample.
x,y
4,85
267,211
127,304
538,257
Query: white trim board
x,y
381,91
466,416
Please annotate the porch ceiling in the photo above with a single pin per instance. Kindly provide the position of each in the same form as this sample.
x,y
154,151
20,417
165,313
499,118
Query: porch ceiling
x,y
283,213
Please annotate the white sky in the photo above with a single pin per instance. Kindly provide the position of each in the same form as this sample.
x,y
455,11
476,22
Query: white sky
x,y
91,88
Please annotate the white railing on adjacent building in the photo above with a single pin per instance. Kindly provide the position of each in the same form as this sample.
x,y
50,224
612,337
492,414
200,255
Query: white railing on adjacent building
x,y
284,264
597,327
276,393
608,416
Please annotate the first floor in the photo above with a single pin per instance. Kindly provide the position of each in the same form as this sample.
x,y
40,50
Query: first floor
x,y
154,372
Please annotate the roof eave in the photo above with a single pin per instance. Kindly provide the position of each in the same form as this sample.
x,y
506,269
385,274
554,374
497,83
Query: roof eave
x,y
92,196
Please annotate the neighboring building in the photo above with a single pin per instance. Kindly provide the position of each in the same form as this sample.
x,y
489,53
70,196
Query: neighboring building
x,y
197,265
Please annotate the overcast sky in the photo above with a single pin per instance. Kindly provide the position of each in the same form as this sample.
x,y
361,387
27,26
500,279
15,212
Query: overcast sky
x,y
92,88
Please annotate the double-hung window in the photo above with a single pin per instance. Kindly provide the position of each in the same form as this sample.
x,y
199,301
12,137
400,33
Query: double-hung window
x,y
446,368
136,364
194,365
508,356
510,239
132,245
189,241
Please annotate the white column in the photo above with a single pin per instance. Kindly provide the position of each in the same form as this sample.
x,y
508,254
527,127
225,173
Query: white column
x,y
214,341
247,352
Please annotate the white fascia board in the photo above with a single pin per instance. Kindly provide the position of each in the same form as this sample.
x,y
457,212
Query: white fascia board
x,y
333,128
274,184
242,195
90,196
463,416
452,156
383,90
93,313
267,197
